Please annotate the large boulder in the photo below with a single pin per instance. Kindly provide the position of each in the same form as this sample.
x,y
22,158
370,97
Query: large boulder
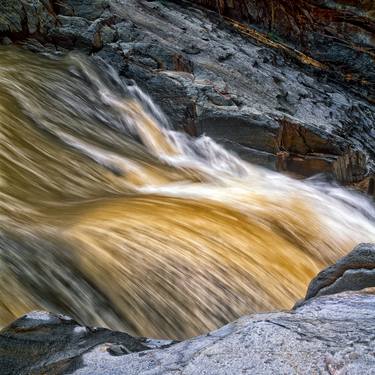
x,y
355,271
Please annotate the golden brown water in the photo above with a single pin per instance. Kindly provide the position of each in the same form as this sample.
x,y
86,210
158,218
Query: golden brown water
x,y
112,217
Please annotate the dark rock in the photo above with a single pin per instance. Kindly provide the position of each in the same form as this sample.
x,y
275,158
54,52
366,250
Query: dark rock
x,y
11,17
353,272
90,9
351,167
126,32
71,32
312,123
246,128
21,17
352,279
339,34
42,342
111,56
266,159
192,50
6,41
230,81
118,350
371,187
107,35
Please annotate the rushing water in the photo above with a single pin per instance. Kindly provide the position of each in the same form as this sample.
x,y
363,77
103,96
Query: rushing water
x,y
112,217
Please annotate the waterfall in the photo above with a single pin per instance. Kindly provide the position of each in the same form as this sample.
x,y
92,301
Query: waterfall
x,y
110,215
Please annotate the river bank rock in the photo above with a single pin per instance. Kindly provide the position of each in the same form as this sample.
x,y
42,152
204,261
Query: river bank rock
x,y
338,34
42,342
21,18
331,332
277,107
327,335
355,271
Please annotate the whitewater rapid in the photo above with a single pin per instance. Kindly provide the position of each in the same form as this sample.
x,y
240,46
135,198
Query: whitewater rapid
x,y
111,216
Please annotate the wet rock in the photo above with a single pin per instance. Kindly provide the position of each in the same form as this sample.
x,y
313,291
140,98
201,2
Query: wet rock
x,y
246,128
41,342
72,31
351,167
11,16
353,272
22,17
89,9
275,105
107,35
126,32
80,33
331,332
328,335
191,50
269,105
6,41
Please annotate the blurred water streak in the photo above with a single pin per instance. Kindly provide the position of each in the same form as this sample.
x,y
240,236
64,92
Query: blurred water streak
x,y
109,215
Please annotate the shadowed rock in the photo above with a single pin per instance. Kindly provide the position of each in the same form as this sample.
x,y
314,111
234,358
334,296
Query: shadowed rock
x,y
354,272
42,342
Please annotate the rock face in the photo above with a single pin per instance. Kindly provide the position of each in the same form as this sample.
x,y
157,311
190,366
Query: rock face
x,y
265,100
327,335
331,332
339,34
25,17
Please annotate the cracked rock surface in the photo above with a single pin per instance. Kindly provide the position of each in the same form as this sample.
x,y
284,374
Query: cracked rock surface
x,y
337,33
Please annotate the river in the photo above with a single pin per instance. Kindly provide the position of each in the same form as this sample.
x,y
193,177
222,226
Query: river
x,y
109,215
